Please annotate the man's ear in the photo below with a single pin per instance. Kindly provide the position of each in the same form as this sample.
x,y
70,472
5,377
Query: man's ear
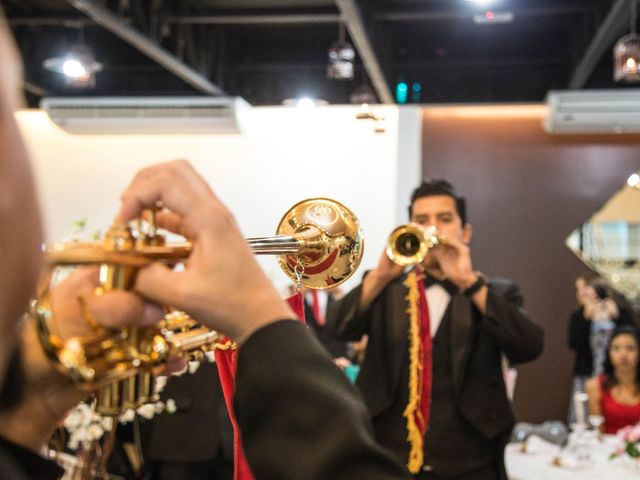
x,y
467,233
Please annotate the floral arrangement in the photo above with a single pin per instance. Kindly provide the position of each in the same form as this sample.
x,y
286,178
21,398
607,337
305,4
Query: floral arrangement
x,y
90,436
630,442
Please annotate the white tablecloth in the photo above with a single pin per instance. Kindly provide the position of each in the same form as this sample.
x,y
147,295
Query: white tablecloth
x,y
538,463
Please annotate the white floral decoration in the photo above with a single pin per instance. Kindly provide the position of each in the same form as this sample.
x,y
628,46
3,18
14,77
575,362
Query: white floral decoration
x,y
85,425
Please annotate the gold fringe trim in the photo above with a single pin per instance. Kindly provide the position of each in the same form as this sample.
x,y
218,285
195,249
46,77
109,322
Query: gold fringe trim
x,y
225,344
414,436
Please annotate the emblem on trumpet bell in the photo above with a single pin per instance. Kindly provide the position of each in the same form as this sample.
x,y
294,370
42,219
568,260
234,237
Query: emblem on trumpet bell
x,y
331,239
323,213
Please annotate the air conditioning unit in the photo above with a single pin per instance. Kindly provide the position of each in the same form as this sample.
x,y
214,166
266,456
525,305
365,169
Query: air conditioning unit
x,y
593,111
147,115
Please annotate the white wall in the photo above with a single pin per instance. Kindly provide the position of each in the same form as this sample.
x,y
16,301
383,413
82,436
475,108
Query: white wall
x,y
285,155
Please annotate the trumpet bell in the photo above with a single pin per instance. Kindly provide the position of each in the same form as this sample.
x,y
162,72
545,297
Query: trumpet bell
x,y
332,243
409,244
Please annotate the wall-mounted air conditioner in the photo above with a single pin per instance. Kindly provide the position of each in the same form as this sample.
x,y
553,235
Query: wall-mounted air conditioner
x,y
593,111
147,115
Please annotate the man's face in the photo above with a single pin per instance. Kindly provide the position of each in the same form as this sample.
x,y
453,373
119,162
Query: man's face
x,y
440,212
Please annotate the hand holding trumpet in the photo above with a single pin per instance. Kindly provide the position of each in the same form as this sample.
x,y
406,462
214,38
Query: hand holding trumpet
x,y
441,253
222,285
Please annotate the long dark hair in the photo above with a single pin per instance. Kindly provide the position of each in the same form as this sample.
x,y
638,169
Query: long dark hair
x,y
610,379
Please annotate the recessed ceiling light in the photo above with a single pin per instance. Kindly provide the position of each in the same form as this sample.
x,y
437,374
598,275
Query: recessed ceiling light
x,y
481,2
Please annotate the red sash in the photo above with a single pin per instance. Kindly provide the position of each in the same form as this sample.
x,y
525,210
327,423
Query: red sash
x,y
227,361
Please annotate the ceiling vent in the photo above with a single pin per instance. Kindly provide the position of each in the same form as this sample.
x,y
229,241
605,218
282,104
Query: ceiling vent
x,y
147,115
593,111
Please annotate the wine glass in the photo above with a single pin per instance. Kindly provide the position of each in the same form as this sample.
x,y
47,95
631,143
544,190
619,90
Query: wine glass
x,y
596,421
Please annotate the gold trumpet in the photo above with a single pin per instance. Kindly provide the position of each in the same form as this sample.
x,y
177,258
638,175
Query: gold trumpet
x,y
409,244
319,244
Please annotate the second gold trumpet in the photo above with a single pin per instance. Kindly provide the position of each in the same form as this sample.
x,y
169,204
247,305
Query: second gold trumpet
x,y
409,244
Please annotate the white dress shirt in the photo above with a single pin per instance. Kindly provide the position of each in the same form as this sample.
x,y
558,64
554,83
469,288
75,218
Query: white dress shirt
x,y
438,300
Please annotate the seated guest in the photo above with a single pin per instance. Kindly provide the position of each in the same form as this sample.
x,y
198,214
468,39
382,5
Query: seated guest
x,y
615,394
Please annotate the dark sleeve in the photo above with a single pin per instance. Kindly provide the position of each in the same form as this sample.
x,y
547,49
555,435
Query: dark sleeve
x,y
579,331
299,416
23,463
625,317
509,324
344,322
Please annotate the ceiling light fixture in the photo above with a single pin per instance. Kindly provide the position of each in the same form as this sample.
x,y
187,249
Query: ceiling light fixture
x,y
78,66
341,56
626,53
492,17
304,103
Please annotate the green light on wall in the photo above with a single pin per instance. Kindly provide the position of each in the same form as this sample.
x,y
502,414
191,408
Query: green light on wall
x,y
402,89
416,90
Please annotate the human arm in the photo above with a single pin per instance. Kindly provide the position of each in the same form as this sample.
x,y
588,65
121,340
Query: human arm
x,y
309,421
214,290
454,260
592,388
376,280
508,324
214,287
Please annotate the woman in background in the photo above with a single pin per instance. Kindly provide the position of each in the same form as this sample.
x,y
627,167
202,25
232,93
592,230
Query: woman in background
x,y
590,327
615,394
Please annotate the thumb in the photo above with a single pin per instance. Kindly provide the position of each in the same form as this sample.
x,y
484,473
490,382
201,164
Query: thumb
x,y
160,284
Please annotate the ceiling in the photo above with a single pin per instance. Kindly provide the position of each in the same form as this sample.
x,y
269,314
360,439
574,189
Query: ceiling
x,y
270,50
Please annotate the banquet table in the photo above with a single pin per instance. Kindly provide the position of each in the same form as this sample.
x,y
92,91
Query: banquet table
x,y
543,461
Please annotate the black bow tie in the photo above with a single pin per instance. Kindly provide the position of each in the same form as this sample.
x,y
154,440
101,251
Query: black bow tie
x,y
448,285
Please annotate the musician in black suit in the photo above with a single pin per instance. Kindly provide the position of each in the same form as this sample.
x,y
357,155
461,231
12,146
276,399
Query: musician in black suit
x,y
281,372
299,416
472,322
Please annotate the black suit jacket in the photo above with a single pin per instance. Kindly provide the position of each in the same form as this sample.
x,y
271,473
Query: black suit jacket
x,y
299,415
19,463
476,345
198,428
337,348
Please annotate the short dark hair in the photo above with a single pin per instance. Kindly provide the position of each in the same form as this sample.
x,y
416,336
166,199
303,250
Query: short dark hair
x,y
436,186
607,367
